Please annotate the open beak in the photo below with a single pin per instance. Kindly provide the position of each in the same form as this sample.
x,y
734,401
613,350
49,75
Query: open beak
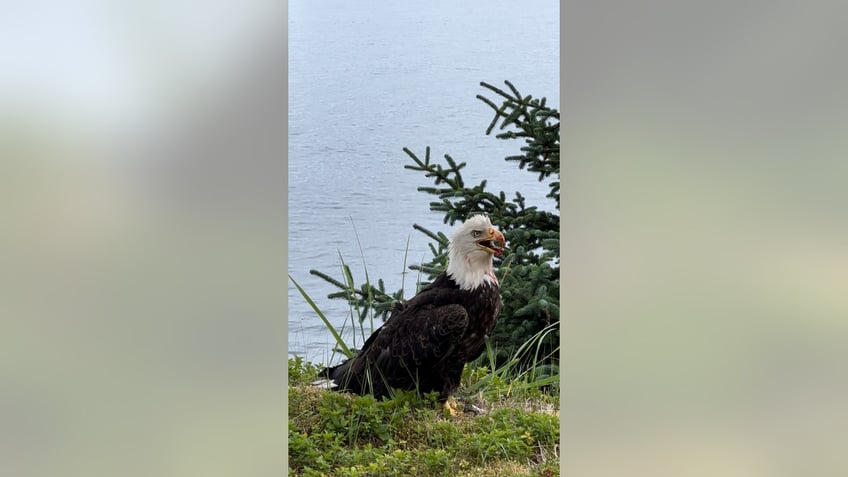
x,y
493,242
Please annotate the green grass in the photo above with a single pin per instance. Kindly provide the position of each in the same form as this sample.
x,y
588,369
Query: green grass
x,y
338,434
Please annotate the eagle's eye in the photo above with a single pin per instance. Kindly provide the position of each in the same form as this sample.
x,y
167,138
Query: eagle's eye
x,y
475,233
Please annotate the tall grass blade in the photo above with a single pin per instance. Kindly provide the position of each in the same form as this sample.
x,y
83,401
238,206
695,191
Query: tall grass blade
x,y
339,341
368,286
350,291
404,272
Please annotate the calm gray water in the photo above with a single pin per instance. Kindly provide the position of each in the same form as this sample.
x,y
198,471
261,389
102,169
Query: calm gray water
x,y
366,81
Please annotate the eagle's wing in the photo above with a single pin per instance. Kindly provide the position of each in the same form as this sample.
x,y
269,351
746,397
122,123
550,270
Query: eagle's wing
x,y
419,345
425,336
413,347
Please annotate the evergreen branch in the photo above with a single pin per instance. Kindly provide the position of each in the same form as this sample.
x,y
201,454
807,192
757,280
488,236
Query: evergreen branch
x,y
328,278
515,90
496,89
441,239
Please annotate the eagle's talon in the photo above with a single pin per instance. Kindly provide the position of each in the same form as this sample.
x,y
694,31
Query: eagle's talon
x,y
450,407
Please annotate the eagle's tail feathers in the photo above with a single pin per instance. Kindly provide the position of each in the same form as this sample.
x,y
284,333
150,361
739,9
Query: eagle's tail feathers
x,y
325,384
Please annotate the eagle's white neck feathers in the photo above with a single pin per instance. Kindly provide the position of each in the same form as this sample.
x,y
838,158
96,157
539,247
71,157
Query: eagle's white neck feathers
x,y
468,265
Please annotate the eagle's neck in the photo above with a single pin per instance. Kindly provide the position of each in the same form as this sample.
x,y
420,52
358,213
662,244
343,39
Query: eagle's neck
x,y
471,270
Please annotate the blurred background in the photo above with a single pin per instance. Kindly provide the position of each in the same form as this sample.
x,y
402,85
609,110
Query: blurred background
x,y
705,263
142,238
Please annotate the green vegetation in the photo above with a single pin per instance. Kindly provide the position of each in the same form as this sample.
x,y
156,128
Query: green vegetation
x,y
338,434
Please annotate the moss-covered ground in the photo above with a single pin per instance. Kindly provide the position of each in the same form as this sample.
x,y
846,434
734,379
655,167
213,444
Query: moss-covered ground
x,y
338,434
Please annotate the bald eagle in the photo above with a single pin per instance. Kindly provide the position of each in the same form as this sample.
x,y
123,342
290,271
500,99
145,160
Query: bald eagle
x,y
427,340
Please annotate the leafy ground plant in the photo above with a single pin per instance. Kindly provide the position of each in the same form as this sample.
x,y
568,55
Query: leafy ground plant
x,y
338,434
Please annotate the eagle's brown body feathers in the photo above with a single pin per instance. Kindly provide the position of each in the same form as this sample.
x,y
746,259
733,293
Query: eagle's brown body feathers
x,y
426,342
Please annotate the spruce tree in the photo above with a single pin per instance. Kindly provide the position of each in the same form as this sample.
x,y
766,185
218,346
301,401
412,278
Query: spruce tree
x,y
529,271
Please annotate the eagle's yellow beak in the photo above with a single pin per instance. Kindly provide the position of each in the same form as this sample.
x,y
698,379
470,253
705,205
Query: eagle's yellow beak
x,y
493,242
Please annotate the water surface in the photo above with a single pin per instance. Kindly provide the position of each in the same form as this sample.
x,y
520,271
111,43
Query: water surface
x,y
364,82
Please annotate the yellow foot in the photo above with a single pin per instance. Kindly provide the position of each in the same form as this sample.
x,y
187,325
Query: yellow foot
x,y
450,407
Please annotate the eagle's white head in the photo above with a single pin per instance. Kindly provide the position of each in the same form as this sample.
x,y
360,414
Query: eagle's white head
x,y
470,252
